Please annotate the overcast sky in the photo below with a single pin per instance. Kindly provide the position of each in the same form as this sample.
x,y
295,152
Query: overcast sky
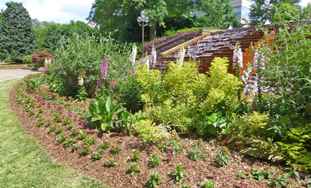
x,y
62,11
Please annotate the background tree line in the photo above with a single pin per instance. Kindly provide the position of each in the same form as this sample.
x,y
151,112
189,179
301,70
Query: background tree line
x,y
20,35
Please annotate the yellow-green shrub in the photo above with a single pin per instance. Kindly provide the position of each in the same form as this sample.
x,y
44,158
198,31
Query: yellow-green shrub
x,y
150,132
183,97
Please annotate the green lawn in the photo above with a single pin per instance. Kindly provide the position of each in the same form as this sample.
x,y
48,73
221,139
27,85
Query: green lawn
x,y
23,163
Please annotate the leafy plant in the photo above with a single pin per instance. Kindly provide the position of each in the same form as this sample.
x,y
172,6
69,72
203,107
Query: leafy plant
x,y
154,161
105,145
85,150
154,179
61,138
81,136
69,142
150,132
102,112
110,163
185,186
222,159
179,172
74,132
59,130
97,155
115,149
136,154
67,121
195,156
207,184
57,117
53,128
89,141
89,57
133,168
75,147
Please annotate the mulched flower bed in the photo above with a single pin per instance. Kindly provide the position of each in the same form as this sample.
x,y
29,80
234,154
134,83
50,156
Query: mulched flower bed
x,y
118,176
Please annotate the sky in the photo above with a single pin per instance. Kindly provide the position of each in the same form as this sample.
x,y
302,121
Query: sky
x,y
59,11
62,11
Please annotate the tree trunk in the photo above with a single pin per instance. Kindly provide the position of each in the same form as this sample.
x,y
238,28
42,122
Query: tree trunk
x,y
153,30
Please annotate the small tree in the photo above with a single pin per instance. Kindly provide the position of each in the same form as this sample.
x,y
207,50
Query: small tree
x,y
17,38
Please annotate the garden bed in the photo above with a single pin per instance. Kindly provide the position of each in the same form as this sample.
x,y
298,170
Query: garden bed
x,y
118,176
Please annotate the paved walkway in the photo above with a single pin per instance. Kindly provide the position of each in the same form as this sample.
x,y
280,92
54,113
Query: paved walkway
x,y
14,73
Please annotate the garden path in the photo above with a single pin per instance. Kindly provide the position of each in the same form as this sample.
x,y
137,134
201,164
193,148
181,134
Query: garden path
x,y
14,73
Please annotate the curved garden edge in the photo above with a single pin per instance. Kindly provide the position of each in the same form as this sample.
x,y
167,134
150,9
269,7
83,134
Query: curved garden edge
x,y
118,176
23,162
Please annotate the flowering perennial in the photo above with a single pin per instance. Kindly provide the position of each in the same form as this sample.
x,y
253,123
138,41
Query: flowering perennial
x,y
237,56
104,69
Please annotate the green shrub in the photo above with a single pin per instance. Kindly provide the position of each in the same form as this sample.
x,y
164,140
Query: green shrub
x,y
150,132
187,100
85,54
129,94
27,59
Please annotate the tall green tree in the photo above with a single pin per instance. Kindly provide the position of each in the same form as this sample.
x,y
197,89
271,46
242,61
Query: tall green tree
x,y
0,17
17,38
216,13
119,16
116,16
285,12
306,12
50,34
259,15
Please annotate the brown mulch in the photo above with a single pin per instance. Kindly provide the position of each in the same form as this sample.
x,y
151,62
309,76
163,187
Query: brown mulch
x,y
117,176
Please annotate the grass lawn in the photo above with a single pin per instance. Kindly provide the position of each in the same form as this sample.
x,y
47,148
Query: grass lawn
x,y
23,163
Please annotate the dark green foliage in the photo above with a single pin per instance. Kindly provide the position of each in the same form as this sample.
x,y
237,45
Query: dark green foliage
x,y
51,35
17,38
129,94
27,59
258,15
286,12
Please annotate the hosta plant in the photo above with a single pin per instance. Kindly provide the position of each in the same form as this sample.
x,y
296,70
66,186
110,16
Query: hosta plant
x,y
102,112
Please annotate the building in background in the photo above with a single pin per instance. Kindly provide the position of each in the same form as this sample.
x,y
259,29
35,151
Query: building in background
x,y
241,8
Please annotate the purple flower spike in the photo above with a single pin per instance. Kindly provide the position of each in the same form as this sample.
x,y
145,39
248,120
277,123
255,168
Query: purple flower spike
x,y
45,70
99,83
104,69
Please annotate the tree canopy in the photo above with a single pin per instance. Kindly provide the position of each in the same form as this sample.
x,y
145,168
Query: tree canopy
x,y
285,12
119,17
259,15
306,12
17,38
51,34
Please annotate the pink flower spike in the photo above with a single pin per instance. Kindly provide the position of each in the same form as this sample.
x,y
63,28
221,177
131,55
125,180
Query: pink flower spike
x,y
108,161
113,145
104,69
112,86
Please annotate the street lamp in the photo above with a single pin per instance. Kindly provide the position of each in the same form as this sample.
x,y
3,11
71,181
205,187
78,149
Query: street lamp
x,y
267,7
142,21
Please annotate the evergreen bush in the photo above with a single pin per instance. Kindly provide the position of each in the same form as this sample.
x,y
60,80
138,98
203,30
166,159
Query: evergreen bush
x,y
17,38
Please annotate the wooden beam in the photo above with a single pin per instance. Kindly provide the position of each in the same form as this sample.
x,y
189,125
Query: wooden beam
x,y
186,44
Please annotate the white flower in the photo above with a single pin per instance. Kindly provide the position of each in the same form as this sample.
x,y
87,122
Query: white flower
x,y
237,56
133,54
147,62
259,61
153,56
181,55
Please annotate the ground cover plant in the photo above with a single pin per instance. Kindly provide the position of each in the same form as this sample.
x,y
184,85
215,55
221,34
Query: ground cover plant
x,y
174,133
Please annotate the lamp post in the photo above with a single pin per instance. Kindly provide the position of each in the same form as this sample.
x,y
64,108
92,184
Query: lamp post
x,y
142,21
267,7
